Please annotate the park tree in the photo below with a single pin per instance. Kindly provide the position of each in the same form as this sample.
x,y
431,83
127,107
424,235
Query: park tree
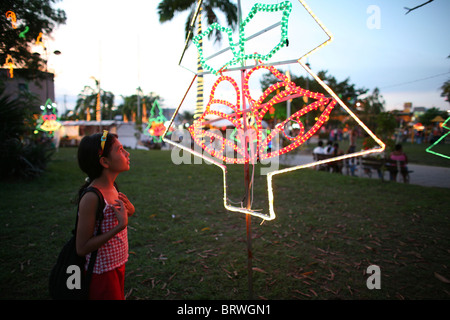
x,y
370,107
22,23
347,92
167,10
446,91
130,104
86,104
427,117
408,10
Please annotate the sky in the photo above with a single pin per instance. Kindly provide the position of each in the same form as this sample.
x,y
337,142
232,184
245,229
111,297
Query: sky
x,y
123,44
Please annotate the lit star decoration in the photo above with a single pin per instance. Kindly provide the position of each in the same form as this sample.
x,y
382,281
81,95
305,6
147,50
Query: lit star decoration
x,y
444,125
156,124
285,90
48,121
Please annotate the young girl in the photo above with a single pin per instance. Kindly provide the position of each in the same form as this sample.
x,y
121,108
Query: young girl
x,y
102,158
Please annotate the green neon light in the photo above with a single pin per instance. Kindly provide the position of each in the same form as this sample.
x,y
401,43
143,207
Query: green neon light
x,y
155,127
48,121
444,125
238,50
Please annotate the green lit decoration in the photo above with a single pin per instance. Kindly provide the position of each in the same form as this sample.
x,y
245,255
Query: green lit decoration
x,y
156,124
238,49
444,125
48,121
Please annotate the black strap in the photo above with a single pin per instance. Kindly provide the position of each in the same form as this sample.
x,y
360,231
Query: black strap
x,y
99,218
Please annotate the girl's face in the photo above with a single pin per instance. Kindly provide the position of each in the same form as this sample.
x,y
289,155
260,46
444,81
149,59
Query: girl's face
x,y
119,158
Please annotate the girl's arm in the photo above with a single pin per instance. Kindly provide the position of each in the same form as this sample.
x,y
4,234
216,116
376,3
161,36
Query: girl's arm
x,y
86,241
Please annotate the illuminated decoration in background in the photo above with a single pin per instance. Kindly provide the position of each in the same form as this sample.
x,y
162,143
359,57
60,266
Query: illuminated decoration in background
x,y
156,124
48,121
239,50
444,125
285,90
258,110
39,40
239,137
199,105
12,16
301,61
22,34
9,63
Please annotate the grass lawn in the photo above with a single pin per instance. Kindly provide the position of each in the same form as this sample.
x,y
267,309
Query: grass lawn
x,y
184,245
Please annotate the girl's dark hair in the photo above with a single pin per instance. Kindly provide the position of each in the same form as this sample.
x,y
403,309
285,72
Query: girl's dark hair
x,y
88,156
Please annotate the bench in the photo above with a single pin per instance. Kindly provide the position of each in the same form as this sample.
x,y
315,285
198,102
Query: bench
x,y
334,166
381,165
375,163
394,167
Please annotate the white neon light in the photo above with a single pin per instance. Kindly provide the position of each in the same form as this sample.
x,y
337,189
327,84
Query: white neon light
x,y
271,215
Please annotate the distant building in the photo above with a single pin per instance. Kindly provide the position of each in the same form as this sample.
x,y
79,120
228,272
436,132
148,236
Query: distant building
x,y
72,132
418,111
407,106
43,87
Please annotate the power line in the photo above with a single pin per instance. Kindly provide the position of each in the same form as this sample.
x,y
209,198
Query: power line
x,y
418,80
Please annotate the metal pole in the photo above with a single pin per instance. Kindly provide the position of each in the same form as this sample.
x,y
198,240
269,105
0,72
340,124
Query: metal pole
x,y
247,179
249,256
248,203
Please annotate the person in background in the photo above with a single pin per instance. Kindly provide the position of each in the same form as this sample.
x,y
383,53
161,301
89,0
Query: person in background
x,y
319,149
401,162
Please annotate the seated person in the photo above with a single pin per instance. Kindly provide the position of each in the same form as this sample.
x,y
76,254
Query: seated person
x,y
398,155
336,166
329,148
319,149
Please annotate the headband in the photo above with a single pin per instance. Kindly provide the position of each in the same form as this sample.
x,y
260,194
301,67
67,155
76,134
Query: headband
x,y
102,143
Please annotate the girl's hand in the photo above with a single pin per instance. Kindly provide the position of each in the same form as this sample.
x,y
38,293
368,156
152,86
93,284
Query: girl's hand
x,y
121,214
128,205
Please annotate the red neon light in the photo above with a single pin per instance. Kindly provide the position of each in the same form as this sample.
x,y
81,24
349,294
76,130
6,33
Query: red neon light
x,y
286,90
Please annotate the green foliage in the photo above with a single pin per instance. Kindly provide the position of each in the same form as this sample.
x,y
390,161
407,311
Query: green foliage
x,y
39,16
385,128
87,100
445,90
24,154
346,91
167,9
430,114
